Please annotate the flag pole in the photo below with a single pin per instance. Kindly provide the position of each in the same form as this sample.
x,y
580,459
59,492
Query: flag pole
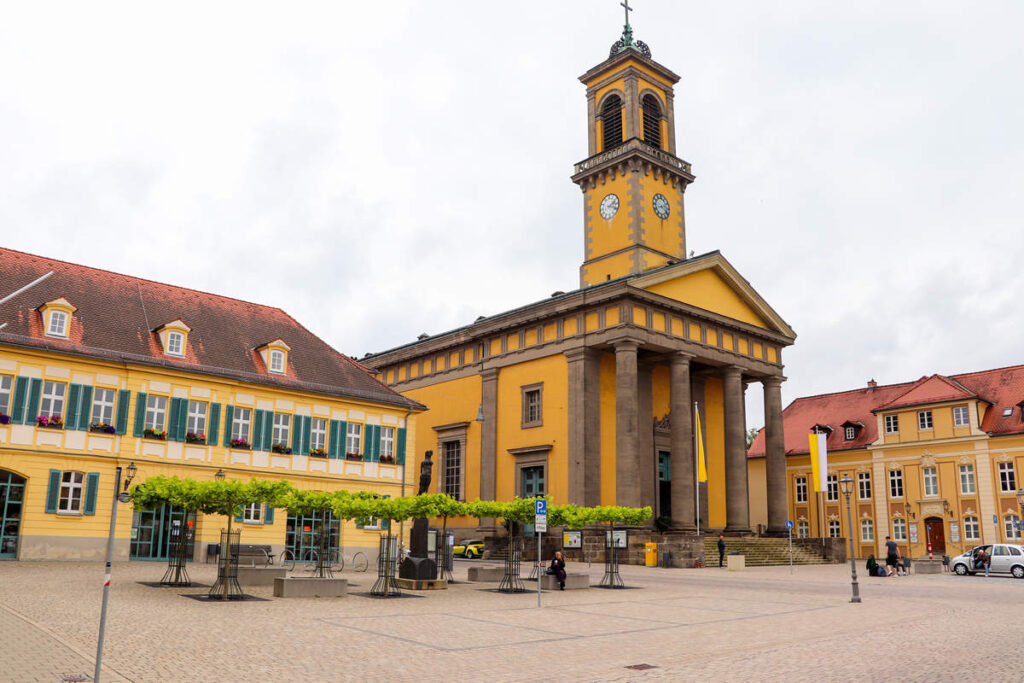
x,y
696,461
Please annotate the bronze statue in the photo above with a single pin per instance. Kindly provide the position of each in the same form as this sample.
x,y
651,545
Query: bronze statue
x,y
425,468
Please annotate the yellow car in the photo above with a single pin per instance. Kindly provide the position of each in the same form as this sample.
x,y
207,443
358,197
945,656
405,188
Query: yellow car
x,y
470,549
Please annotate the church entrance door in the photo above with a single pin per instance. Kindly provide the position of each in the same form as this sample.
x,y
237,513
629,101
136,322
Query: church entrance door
x,y
664,485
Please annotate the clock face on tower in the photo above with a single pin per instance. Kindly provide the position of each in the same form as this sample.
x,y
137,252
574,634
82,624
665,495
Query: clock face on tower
x,y
661,208
609,206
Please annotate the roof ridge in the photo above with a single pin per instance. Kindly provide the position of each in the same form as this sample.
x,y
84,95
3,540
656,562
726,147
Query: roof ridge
x,y
136,278
985,372
849,391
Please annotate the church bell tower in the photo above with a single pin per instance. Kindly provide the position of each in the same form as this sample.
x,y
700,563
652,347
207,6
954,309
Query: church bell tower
x,y
632,180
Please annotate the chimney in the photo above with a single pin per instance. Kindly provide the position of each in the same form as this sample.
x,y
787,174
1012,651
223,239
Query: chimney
x,y
872,383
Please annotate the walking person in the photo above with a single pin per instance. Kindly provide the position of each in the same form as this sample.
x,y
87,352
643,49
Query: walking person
x,y
892,556
721,550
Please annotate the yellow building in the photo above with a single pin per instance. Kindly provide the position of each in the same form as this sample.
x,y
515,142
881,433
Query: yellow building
x,y
934,462
100,370
588,396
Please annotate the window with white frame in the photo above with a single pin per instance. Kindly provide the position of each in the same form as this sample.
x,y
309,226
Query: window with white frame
x,y
892,424
1007,478
58,324
353,438
801,489
899,529
196,419
864,485
924,420
1011,524
867,530
803,529
960,418
967,480
833,528
252,513
532,405
102,406
851,433
832,488
71,487
282,426
317,433
931,481
452,469
276,361
52,404
972,530
175,343
5,394
241,421
156,412
895,483
387,442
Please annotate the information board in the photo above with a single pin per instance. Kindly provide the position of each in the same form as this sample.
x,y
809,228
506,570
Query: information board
x,y
572,539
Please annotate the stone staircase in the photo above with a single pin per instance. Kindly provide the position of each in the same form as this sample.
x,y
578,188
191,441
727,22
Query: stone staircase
x,y
761,552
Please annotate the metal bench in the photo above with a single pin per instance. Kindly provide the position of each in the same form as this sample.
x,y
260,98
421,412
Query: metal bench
x,y
254,553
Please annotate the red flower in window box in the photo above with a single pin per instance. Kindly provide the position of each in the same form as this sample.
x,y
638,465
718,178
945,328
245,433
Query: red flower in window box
x,y
353,456
158,434
318,453
102,428
50,422
241,444
281,448
192,437
388,459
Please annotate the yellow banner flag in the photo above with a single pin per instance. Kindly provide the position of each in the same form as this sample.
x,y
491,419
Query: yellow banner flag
x,y
819,460
702,468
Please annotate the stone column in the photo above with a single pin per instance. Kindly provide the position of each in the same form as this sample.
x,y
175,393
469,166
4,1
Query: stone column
x,y
683,482
488,440
627,482
737,517
647,463
775,455
584,442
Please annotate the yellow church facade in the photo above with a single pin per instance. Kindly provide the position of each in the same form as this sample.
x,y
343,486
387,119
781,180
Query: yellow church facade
x,y
100,370
588,396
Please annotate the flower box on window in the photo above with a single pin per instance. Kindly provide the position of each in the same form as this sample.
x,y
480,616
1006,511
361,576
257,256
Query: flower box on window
x,y
192,437
50,422
388,459
318,452
280,448
102,428
241,444
5,419
353,456
158,434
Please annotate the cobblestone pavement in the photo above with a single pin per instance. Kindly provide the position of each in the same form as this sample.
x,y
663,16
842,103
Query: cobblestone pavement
x,y
759,624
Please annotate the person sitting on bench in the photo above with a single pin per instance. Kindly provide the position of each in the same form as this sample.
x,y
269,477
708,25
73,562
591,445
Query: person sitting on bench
x,y
557,569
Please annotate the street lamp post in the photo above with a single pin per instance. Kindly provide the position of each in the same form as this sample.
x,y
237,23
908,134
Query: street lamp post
x,y
123,497
1020,502
846,485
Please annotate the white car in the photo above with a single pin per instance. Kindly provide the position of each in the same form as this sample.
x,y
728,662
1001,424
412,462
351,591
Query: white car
x,y
1001,558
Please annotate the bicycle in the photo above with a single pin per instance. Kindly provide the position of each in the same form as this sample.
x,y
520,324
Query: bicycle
x,y
286,560
359,562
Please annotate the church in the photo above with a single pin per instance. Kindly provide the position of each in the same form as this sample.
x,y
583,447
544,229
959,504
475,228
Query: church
x,y
592,396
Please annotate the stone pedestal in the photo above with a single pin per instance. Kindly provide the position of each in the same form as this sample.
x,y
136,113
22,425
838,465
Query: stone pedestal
x,y
309,587
426,585
260,576
736,563
418,567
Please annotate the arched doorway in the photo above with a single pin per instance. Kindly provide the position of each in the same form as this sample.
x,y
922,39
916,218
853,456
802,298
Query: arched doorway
x,y
935,534
12,493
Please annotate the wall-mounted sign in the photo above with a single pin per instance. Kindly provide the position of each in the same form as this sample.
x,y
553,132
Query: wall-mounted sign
x,y
615,539
572,539
954,532
913,532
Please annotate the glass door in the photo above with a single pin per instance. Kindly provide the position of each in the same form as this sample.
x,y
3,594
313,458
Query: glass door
x,y
152,531
12,493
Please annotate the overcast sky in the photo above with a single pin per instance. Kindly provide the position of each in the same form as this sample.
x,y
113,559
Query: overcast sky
x,y
382,169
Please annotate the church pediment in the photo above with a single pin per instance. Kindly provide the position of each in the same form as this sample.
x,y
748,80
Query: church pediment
x,y
710,282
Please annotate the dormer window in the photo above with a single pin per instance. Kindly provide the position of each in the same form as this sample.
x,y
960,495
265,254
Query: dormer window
x,y
851,433
275,356
57,317
174,338
276,361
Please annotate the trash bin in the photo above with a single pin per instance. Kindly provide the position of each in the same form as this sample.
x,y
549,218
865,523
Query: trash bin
x,y
664,559
651,554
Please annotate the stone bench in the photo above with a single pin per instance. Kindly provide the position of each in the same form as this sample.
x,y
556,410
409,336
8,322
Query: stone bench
x,y
573,581
482,574
260,576
309,587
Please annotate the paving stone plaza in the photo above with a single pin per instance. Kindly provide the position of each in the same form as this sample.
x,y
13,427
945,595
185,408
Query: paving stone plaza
x,y
759,624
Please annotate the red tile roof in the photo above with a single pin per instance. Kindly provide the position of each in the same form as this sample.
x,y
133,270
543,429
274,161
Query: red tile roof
x,y
1002,387
117,315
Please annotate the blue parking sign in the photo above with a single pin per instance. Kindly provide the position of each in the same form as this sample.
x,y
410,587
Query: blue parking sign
x,y
542,507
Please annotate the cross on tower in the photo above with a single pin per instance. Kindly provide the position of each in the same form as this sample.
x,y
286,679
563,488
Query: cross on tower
x,y
627,11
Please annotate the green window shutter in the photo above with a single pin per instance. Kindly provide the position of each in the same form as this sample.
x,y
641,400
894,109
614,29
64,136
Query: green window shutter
x,y
229,415
18,403
140,413
332,439
372,443
297,436
72,412
360,523
53,491
177,421
385,524
92,482
400,447
307,427
35,389
123,397
268,515
238,517
268,430
213,425
257,430
85,408
342,438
